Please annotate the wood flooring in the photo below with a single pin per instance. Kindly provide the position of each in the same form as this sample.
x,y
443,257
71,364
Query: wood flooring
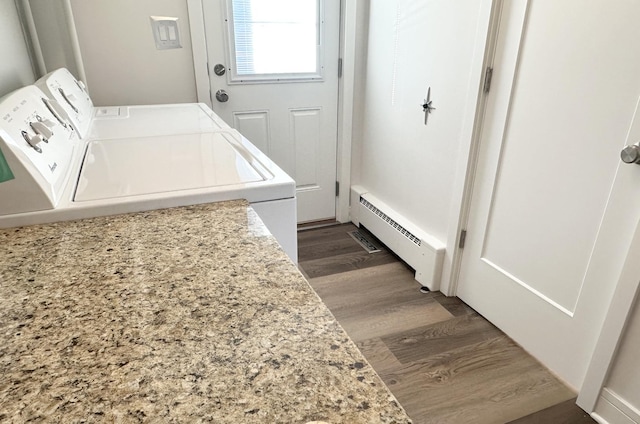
x,y
443,361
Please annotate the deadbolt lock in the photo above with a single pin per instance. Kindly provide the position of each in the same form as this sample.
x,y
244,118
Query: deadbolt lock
x,y
219,69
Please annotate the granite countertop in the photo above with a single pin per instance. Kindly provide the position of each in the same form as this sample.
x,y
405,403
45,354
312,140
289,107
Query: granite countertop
x,y
189,314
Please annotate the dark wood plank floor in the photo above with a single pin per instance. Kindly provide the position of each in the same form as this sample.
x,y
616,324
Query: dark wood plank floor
x,y
443,361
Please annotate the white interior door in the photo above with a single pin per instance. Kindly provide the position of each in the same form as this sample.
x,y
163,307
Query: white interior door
x,y
553,210
280,62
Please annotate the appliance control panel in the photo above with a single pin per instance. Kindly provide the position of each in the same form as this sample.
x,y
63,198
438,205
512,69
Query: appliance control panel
x,y
37,143
61,86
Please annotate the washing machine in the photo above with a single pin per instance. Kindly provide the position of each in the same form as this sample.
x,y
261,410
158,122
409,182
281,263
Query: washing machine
x,y
62,159
70,95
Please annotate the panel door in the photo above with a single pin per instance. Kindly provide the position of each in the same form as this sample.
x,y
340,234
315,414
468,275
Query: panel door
x,y
553,209
282,88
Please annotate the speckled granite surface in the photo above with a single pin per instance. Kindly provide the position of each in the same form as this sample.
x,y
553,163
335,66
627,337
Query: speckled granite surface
x,y
190,314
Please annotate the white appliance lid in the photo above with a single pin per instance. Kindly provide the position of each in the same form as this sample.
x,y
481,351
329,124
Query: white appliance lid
x,y
147,165
153,120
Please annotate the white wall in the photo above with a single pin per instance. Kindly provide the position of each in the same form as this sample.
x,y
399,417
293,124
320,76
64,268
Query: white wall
x,y
53,35
15,65
119,54
413,45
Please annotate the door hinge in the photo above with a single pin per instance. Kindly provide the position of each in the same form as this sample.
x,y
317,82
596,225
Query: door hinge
x,y
337,188
488,74
208,71
339,67
463,238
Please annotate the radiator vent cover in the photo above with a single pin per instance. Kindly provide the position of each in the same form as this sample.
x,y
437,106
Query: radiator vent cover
x,y
408,234
420,250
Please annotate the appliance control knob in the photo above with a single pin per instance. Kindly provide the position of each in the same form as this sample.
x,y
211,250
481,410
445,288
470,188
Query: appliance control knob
x,y
57,111
48,122
69,98
33,141
42,129
82,86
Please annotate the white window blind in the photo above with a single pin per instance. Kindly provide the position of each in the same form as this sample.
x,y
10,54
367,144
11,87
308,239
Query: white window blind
x,y
274,37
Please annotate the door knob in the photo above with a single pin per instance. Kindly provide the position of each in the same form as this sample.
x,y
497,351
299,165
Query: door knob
x,y
631,154
222,96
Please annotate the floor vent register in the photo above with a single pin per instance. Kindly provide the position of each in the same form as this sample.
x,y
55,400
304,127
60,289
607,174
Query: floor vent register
x,y
364,241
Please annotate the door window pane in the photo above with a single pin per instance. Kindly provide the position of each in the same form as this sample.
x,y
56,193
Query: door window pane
x,y
275,37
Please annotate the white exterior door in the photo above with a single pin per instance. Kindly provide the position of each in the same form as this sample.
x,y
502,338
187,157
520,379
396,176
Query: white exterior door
x,y
280,62
553,209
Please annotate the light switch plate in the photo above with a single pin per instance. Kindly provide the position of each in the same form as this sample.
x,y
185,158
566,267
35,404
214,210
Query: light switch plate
x,y
166,32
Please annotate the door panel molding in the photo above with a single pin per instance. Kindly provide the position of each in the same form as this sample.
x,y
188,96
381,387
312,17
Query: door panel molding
x,y
254,125
528,287
305,130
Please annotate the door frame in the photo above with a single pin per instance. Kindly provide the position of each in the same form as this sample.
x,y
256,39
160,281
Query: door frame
x,y
625,296
467,164
199,51
346,87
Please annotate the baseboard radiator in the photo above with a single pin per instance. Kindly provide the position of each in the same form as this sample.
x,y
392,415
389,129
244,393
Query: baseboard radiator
x,y
424,253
